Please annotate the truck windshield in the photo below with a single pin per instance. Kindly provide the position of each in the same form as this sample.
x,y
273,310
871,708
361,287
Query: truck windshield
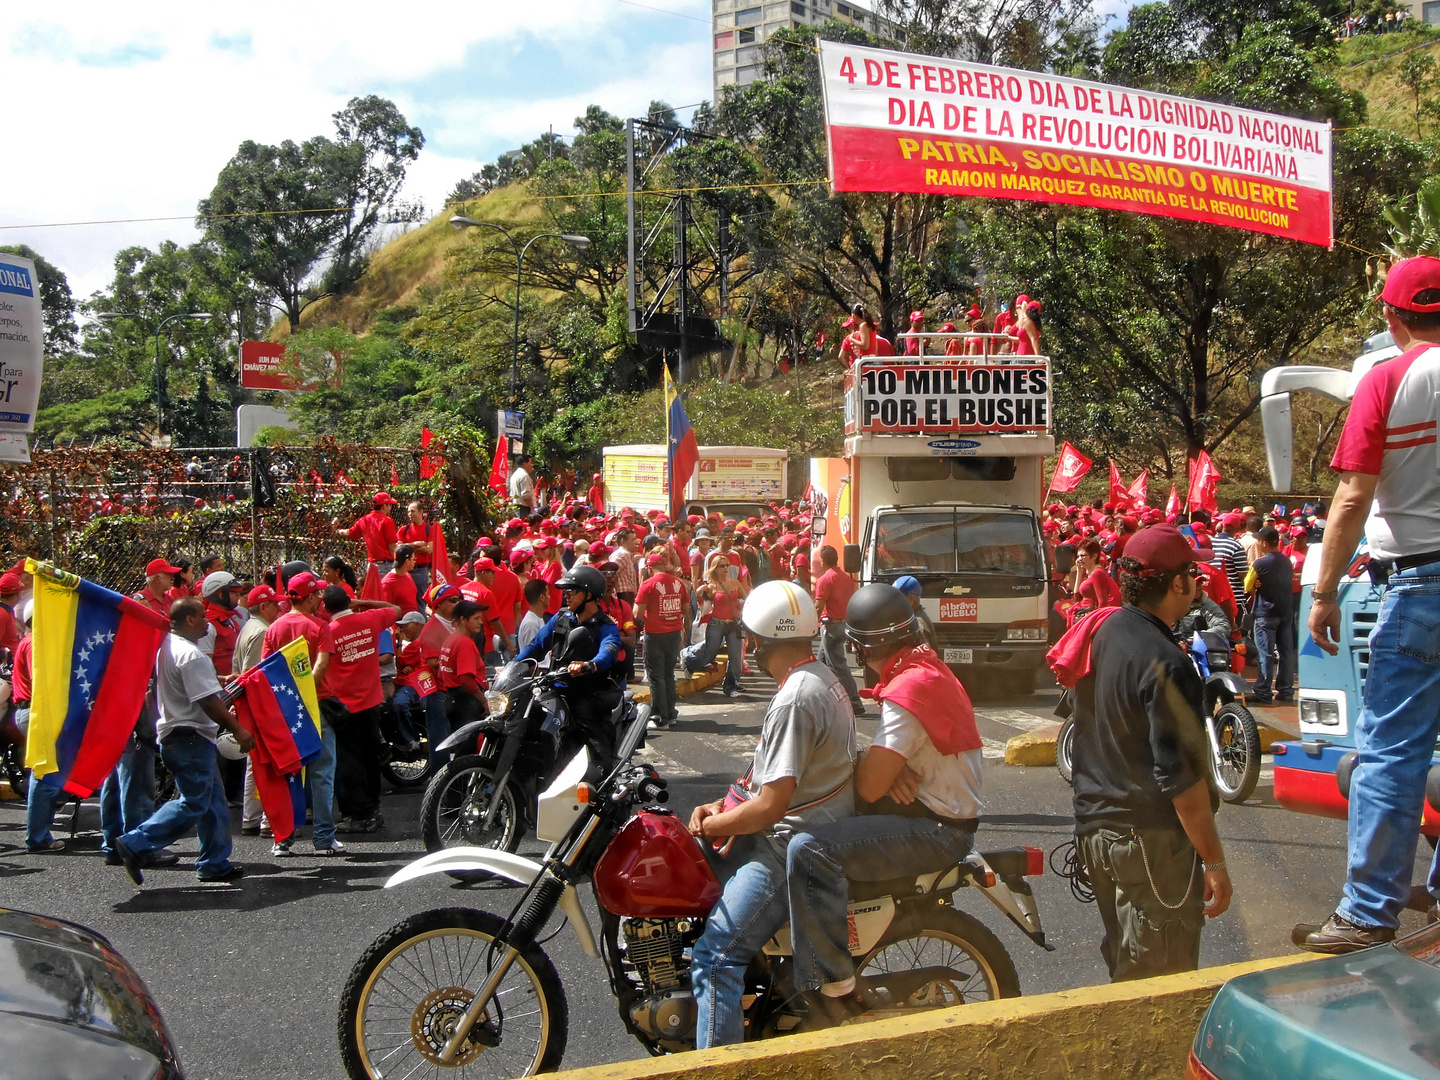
x,y
956,542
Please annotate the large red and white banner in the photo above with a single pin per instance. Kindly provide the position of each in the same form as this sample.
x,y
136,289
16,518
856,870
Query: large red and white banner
x,y
904,122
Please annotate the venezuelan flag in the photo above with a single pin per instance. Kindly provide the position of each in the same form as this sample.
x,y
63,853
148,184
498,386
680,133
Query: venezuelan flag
x,y
277,705
293,683
94,651
682,450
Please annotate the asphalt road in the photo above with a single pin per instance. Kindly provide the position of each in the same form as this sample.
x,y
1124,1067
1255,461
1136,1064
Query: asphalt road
x,y
248,976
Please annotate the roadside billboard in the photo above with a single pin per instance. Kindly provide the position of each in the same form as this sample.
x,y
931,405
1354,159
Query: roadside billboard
x,y
22,344
904,122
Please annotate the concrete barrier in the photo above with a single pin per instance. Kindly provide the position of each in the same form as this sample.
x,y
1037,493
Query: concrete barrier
x,y
1038,747
1135,1031
685,685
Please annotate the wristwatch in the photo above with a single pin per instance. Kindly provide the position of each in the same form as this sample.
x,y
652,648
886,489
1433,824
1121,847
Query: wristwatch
x,y
1325,597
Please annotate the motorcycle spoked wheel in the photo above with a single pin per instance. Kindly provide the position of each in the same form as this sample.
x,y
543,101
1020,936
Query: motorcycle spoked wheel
x,y
405,773
976,964
405,994
1237,770
1065,750
453,811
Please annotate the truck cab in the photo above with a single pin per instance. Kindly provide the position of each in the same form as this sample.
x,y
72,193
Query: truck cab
x,y
942,480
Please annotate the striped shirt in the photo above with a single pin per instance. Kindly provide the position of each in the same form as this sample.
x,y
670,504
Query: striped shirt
x,y
1230,557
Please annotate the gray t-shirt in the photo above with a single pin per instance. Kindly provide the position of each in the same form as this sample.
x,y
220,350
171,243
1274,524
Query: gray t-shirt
x,y
183,676
808,733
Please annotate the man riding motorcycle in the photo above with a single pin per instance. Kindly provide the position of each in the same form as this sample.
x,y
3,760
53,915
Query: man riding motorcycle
x,y
917,789
585,643
802,776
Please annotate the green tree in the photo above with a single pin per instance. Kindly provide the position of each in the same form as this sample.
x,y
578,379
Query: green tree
x,y
296,218
1418,74
57,306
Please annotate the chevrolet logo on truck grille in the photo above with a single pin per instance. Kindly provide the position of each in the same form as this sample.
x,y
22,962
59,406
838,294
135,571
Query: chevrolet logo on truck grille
x,y
957,590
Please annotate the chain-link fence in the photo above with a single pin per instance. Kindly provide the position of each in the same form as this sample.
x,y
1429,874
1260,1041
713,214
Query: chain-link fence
x,y
104,513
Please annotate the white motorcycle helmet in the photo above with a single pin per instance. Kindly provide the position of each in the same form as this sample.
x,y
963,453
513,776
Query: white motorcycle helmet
x,y
780,611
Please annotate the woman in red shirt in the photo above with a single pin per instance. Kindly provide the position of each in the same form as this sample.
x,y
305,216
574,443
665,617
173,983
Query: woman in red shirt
x,y
1026,330
865,340
724,593
1095,587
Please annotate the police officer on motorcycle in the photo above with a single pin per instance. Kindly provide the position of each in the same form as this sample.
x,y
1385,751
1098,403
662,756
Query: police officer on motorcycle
x,y
585,644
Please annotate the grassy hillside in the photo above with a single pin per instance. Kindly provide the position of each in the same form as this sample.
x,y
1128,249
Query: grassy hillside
x,y
1371,65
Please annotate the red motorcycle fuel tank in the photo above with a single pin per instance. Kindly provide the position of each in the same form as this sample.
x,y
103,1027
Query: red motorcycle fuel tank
x,y
654,869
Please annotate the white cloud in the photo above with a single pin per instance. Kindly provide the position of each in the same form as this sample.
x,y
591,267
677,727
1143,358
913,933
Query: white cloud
x,y
133,109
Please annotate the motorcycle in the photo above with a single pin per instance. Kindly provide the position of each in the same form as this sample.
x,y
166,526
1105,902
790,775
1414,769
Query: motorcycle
x,y
465,802
1230,730
408,762
446,987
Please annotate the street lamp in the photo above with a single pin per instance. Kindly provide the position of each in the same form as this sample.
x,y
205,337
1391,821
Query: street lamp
x,y
460,224
154,330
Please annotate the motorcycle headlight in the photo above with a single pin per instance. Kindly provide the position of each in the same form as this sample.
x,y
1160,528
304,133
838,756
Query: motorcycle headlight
x,y
497,703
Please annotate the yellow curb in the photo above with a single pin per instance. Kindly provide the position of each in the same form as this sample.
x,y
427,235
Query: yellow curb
x,y
685,685
1034,747
1139,1030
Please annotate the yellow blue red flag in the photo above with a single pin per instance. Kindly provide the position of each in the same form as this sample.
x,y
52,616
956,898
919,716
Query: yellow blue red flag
x,y
682,451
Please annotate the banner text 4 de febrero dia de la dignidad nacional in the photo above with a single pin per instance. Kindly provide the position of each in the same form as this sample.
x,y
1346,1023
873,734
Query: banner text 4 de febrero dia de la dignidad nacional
x,y
903,122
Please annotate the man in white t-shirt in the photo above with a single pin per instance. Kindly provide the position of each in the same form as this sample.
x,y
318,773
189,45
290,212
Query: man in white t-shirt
x,y
522,484
921,779
192,714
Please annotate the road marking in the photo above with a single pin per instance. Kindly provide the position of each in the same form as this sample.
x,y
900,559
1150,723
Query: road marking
x,y
665,765
1016,718
994,749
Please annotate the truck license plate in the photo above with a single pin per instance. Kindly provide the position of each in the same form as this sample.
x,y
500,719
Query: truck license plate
x,y
959,656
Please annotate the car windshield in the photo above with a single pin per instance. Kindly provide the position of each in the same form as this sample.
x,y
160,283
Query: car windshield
x,y
958,541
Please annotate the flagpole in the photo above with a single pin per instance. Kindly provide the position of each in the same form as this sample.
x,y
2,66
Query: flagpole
x,y
51,572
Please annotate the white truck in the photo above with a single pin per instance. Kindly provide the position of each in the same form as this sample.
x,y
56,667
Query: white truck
x,y
738,481
942,480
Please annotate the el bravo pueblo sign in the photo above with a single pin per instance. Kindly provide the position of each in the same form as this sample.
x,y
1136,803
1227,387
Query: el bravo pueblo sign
x,y
902,122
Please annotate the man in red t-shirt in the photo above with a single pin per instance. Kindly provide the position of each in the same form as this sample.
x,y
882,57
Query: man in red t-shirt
x,y
833,589
398,587
662,607
623,615
462,669
301,621
507,587
488,579
355,628
378,529
419,535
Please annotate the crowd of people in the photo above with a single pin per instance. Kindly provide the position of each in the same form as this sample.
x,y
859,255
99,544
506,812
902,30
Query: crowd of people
x,y
1014,330
1390,22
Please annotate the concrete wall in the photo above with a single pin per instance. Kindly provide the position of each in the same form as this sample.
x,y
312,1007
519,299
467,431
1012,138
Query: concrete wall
x,y
1131,1031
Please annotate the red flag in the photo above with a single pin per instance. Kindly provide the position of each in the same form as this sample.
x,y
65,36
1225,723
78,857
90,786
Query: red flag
x,y
1138,490
1070,468
394,476
371,589
499,477
442,572
1204,485
259,713
427,467
1119,494
1173,505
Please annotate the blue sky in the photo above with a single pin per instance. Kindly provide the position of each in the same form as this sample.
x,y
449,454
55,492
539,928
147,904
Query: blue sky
x,y
130,110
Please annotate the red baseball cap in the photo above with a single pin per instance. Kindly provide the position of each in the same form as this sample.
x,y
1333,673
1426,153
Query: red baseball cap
x,y
484,564
261,594
974,313
1162,548
948,328
520,556
917,316
383,497
1410,277
848,323
655,558
160,566
10,583
303,584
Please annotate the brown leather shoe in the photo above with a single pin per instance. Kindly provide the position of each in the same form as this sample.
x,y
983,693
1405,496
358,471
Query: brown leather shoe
x,y
1339,935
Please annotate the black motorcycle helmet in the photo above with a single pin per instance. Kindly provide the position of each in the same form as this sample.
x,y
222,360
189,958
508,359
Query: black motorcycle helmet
x,y
879,618
584,579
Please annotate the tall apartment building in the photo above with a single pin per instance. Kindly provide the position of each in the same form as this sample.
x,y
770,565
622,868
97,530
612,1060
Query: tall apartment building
x,y
742,25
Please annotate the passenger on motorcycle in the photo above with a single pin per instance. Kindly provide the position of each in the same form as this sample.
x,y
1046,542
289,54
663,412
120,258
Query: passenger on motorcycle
x,y
917,790
585,643
802,777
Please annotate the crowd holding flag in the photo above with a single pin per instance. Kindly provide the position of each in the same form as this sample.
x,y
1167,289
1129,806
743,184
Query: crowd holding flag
x,y
1204,483
682,450
93,653
1174,505
500,469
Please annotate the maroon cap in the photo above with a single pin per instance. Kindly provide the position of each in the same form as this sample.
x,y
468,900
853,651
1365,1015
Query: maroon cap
x,y
1162,548
1410,277
160,566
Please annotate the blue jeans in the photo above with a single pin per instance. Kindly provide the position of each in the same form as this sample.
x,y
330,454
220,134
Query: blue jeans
x,y
128,795
1395,736
661,653
201,805
751,910
832,655
40,814
1275,635
320,779
699,657
421,576
437,727
821,863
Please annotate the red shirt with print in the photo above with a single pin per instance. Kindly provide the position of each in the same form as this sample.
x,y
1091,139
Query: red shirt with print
x,y
355,666
664,598
412,667
460,656
315,631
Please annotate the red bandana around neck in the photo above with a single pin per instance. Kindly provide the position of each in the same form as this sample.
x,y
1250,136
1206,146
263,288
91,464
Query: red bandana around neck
x,y
917,680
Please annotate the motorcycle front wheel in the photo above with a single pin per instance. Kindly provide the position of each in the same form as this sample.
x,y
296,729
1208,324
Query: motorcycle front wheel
x,y
1064,749
452,814
963,960
1237,767
406,993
